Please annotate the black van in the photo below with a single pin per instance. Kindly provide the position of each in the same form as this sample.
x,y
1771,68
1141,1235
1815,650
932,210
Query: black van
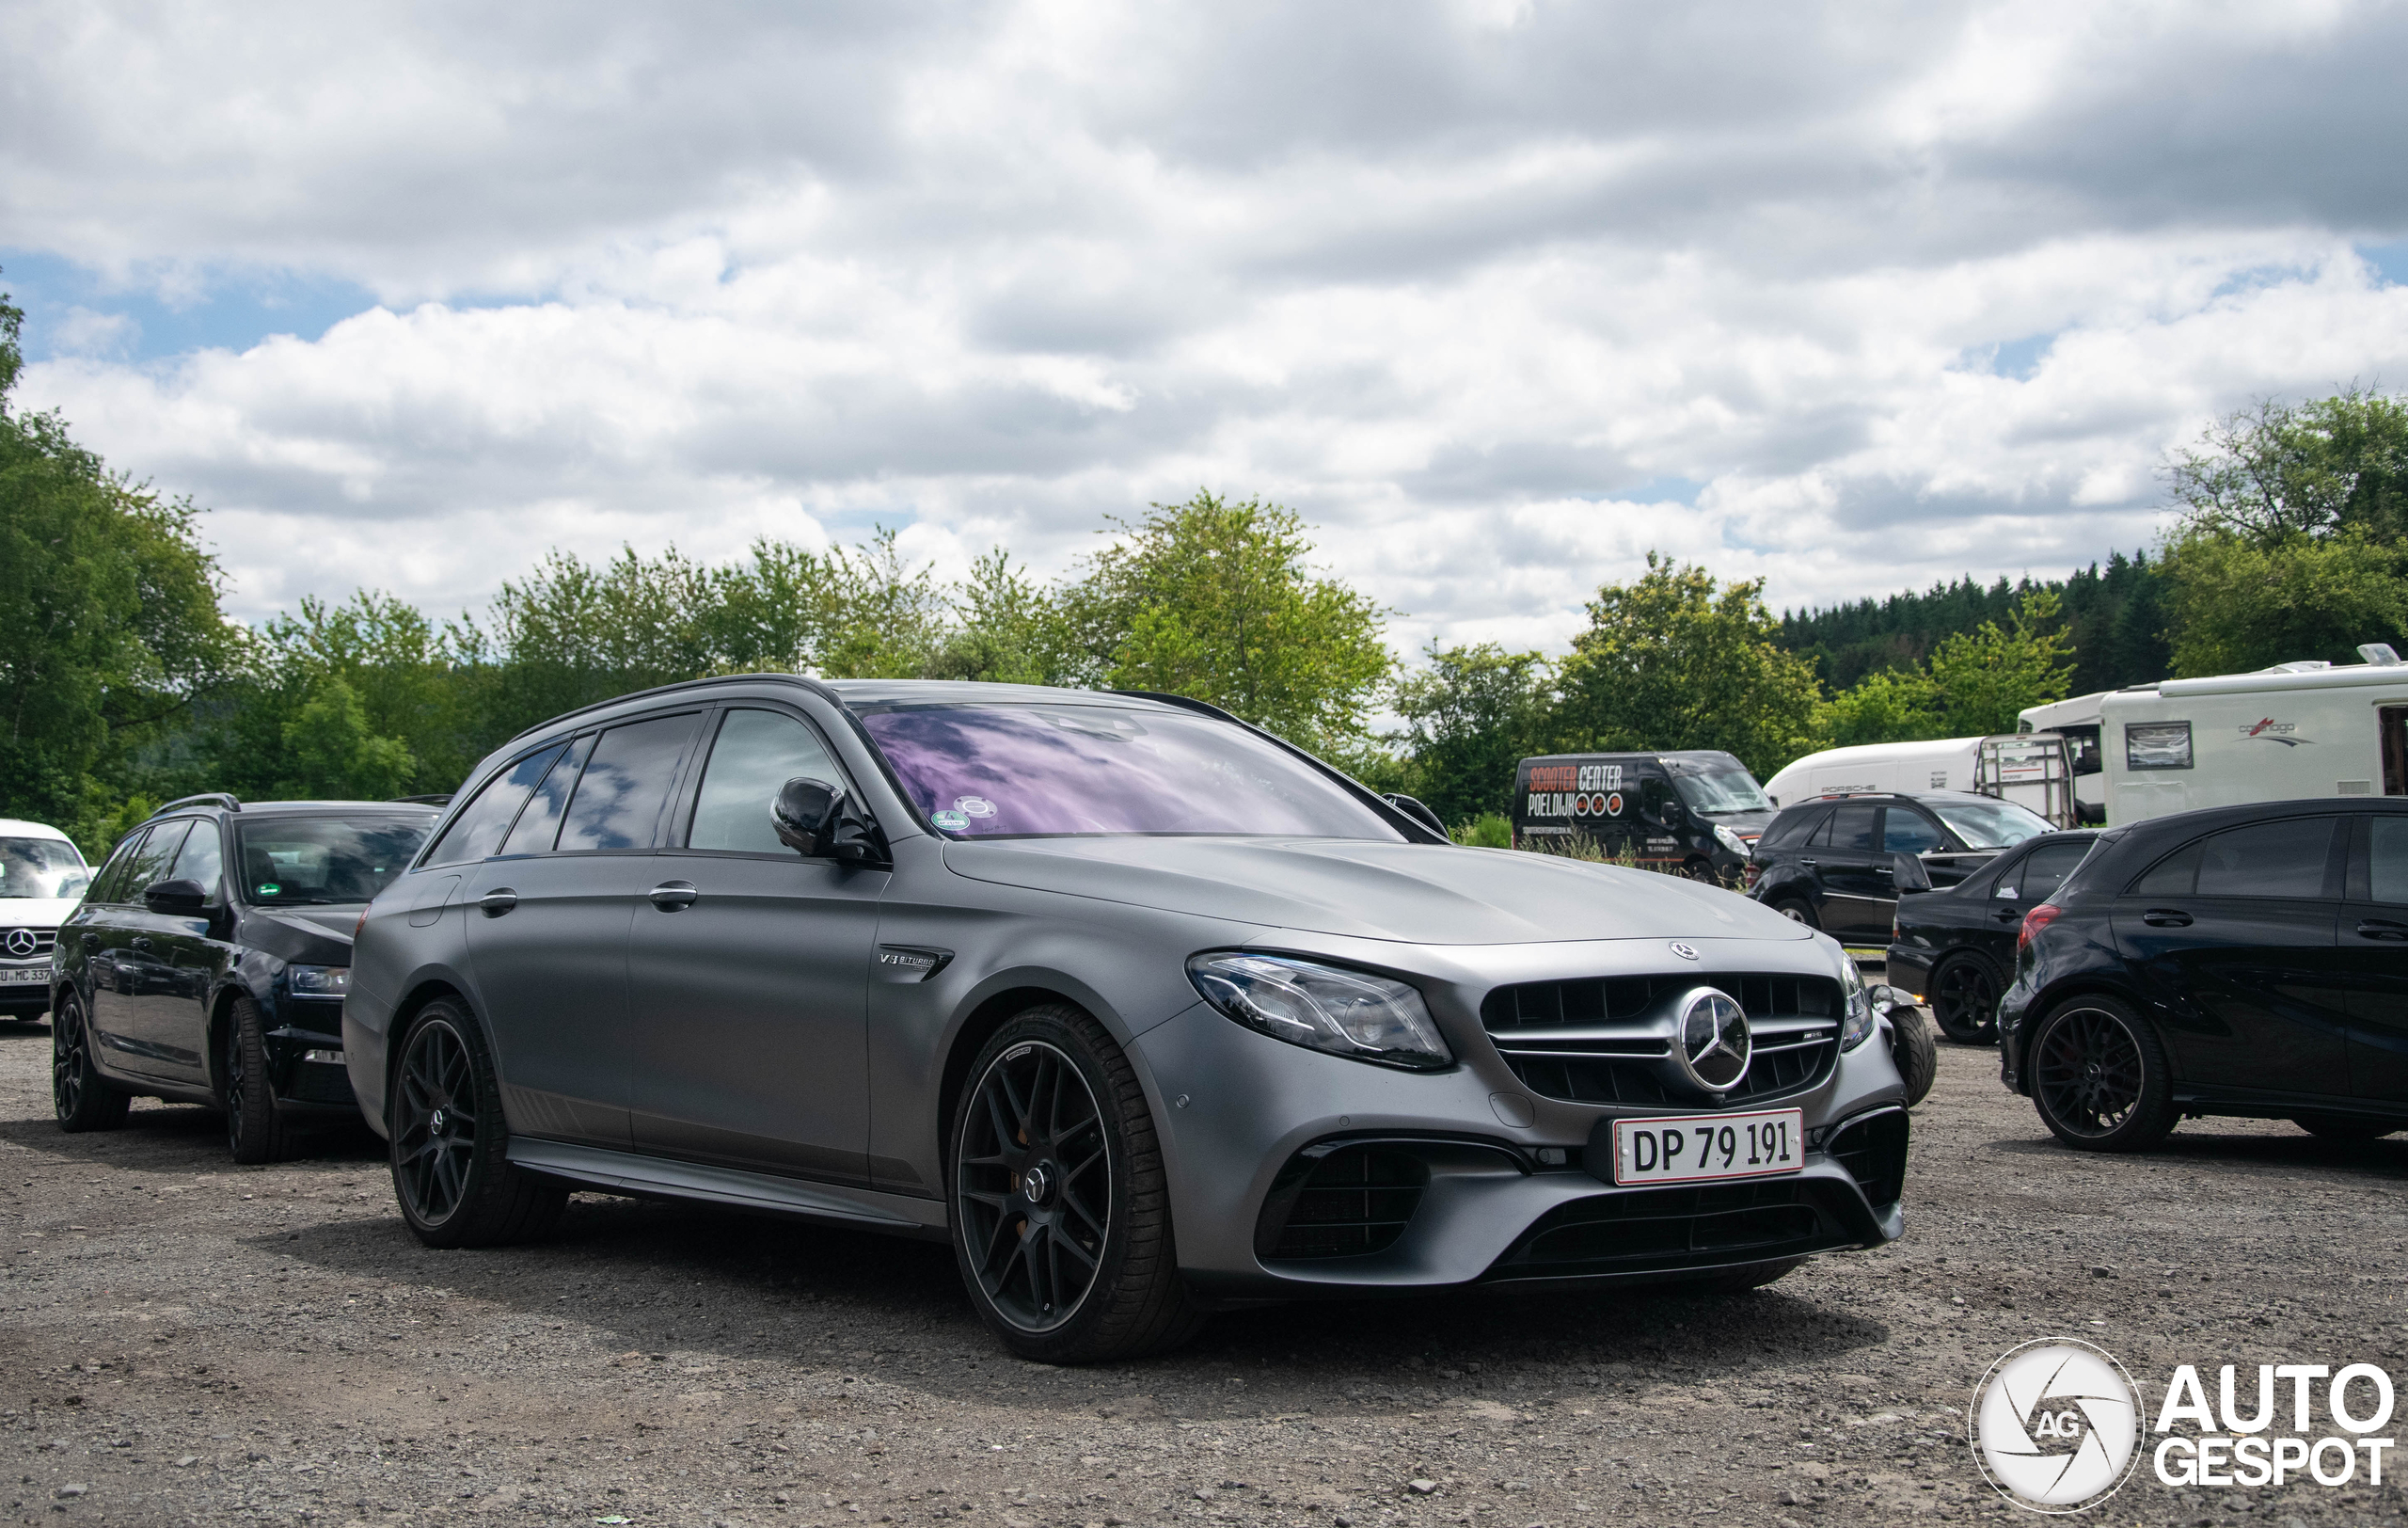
x,y
1698,811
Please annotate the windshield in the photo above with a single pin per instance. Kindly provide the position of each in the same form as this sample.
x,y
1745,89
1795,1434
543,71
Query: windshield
x,y
42,868
1018,772
1991,824
309,860
1720,793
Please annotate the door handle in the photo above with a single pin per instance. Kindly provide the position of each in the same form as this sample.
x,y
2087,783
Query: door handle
x,y
1809,862
497,901
2383,929
2007,915
2167,918
674,896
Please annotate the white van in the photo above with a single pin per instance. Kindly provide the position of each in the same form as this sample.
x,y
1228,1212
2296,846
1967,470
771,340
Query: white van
x,y
2285,734
2034,776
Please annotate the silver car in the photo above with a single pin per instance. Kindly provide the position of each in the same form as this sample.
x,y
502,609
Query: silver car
x,y
1144,1010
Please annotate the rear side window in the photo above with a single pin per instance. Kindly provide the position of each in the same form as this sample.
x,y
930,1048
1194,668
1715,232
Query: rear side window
x,y
625,785
541,822
476,832
2387,860
2047,866
2284,859
756,753
1852,828
1794,827
1904,832
109,885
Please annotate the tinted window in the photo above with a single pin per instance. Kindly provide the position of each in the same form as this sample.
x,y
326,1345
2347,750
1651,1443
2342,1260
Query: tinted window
x,y
625,785
1985,823
1852,828
2048,864
150,866
2388,864
994,770
201,860
42,868
1655,796
757,752
476,832
305,861
110,885
1716,793
537,825
2265,859
1904,832
2157,745
1794,827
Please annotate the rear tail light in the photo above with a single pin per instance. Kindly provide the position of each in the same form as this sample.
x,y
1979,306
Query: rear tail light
x,y
2033,922
362,924
1749,873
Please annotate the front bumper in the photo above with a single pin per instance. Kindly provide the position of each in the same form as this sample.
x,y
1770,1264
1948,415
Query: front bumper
x,y
305,1059
1908,967
1294,1173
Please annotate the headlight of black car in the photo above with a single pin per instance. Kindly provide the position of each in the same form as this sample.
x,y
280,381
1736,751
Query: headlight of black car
x,y
1324,1008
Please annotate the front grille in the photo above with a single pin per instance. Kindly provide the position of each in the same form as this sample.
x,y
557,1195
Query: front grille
x,y
1872,1148
45,941
1601,1039
1668,1228
1351,1203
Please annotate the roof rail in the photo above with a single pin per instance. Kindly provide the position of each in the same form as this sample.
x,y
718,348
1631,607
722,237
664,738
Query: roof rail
x,y
207,797
443,800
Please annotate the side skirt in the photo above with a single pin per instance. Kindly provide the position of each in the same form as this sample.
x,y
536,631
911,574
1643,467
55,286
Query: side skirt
x,y
626,1172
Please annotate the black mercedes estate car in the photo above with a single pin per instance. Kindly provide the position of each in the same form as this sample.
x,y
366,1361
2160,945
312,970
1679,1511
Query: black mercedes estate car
x,y
208,960
2246,961
1955,945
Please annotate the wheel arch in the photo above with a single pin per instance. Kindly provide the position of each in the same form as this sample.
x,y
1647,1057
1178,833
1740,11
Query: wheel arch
x,y
428,990
988,1013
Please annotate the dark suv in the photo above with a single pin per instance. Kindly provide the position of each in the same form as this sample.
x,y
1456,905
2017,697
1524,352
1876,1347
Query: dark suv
x,y
1830,862
208,960
2246,961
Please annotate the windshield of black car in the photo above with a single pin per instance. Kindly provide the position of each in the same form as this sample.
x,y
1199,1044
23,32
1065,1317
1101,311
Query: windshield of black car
x,y
306,861
1010,770
1985,823
1720,793
42,868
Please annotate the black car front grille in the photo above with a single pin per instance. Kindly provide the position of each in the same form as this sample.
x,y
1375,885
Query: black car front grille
x,y
45,941
1351,1203
1669,1228
1600,1040
1872,1148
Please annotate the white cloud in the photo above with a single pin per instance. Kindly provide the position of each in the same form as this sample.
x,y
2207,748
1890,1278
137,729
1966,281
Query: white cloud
x,y
1501,296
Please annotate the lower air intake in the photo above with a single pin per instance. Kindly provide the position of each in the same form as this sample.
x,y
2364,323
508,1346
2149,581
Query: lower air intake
x,y
1347,1203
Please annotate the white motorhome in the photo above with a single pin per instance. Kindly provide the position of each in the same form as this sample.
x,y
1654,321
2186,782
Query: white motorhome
x,y
2285,734
2022,776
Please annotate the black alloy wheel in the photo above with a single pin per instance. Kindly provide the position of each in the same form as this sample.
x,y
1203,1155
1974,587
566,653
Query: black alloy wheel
x,y
1061,1217
1796,910
451,1167
82,1100
255,1129
2100,1077
1964,1000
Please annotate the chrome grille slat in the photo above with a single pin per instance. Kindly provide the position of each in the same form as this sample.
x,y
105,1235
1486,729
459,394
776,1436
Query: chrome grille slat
x,y
1601,1039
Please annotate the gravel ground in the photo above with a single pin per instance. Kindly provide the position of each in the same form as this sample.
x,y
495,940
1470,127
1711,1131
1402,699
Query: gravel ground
x,y
186,1341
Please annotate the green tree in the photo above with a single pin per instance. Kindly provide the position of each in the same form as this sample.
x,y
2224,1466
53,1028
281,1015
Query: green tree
x,y
1470,716
1673,661
1008,630
335,755
2241,602
1986,676
1893,705
1214,599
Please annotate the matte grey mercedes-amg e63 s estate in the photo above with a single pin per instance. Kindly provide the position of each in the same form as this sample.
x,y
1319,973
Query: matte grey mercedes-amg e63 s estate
x,y
1145,1009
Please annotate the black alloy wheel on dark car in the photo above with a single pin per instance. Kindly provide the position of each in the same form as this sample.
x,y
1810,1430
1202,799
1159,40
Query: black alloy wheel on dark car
x,y
255,1130
452,1170
1964,1000
1061,1216
82,1100
2100,1077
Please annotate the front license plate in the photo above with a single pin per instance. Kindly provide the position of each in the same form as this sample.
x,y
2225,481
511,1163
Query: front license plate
x,y
1694,1150
30,975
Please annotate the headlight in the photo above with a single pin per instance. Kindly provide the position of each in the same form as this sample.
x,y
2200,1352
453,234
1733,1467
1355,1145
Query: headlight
x,y
1323,1007
319,980
1858,1022
1730,840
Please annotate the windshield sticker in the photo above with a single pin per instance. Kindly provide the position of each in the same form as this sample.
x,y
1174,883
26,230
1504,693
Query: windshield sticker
x,y
950,821
974,806
269,888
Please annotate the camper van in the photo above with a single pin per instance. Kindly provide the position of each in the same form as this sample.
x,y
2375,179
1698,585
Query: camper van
x,y
2033,770
2286,734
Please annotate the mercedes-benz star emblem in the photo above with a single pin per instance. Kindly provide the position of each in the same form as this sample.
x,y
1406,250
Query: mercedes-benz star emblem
x,y
1687,952
22,941
1714,1042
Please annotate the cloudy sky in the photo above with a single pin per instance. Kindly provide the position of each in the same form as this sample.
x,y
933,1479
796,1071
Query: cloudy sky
x,y
1499,295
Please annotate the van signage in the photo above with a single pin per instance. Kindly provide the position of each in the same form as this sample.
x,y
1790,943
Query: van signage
x,y
1574,803
2270,730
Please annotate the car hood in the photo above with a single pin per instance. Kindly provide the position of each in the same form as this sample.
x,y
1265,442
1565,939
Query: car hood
x,y
1746,824
1429,894
36,911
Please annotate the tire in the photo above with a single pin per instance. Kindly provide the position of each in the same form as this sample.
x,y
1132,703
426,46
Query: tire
x,y
1964,991
1739,1280
1915,1050
1061,1222
82,1098
2100,1077
1701,869
1796,909
2340,1127
255,1128
453,1174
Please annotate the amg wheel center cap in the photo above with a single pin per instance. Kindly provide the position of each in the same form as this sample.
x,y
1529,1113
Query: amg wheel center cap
x,y
1035,1185
437,1121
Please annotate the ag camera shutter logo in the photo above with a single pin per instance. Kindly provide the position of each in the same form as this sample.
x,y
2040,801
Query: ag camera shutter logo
x,y
2056,1425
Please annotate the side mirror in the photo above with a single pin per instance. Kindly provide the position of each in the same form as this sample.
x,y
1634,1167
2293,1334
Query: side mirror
x,y
1414,810
1907,875
820,822
175,899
